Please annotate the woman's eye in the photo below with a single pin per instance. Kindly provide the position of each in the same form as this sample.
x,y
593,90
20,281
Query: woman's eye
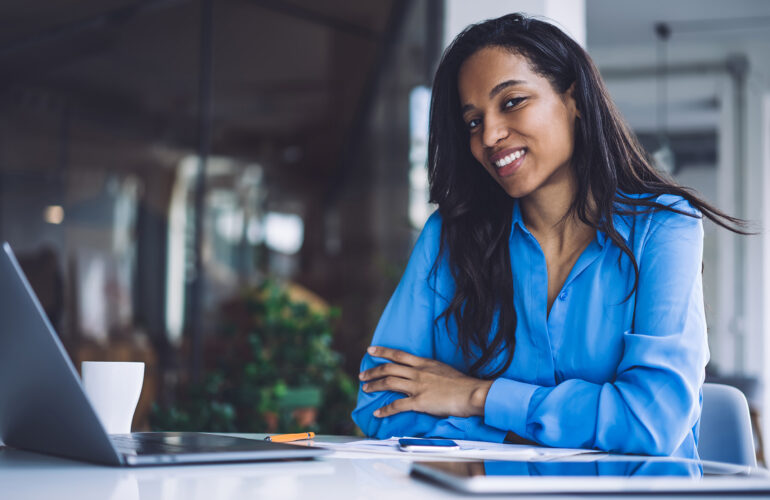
x,y
473,123
512,102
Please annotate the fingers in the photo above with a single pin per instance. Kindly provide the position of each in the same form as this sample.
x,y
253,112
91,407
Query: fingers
x,y
396,384
396,355
387,369
397,406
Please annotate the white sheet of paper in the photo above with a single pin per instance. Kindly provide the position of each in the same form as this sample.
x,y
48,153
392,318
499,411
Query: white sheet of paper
x,y
468,449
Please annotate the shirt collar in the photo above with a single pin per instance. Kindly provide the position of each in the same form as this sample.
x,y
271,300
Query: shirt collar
x,y
622,224
517,218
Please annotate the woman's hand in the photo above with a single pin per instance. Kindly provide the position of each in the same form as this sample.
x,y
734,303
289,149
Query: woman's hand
x,y
430,386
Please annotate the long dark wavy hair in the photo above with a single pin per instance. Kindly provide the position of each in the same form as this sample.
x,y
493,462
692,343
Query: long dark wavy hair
x,y
476,212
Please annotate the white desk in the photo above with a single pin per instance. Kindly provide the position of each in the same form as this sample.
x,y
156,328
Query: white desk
x,y
26,475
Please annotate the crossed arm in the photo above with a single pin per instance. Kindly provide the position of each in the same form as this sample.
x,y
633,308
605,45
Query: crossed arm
x,y
430,386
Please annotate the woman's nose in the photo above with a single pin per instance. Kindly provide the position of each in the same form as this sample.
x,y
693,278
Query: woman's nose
x,y
494,131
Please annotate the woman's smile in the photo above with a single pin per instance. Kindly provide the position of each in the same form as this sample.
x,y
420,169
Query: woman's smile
x,y
508,161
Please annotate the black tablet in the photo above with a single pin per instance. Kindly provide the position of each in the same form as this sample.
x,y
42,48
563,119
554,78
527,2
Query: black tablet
x,y
603,474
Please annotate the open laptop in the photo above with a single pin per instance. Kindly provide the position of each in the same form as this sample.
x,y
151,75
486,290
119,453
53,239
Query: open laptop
x,y
43,407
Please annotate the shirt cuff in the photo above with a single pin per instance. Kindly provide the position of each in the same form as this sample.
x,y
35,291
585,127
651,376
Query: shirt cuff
x,y
471,428
507,405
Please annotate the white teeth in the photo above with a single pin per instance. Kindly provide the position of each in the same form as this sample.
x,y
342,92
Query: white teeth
x,y
508,159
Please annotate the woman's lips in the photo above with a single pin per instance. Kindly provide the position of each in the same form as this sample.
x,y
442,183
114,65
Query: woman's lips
x,y
506,156
508,164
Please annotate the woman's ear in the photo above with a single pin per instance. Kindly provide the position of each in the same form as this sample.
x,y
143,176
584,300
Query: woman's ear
x,y
570,99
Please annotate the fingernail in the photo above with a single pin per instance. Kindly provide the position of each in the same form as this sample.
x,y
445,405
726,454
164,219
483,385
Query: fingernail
x,y
366,387
376,413
371,350
361,376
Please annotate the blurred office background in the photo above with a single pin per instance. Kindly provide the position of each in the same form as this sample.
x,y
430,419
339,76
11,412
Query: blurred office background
x,y
161,160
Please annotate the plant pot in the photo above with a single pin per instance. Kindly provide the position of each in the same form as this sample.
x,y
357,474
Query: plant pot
x,y
302,403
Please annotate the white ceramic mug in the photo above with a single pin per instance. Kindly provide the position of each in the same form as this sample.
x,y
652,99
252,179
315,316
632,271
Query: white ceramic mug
x,y
113,388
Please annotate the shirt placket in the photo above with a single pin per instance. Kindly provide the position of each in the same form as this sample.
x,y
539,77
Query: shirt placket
x,y
557,318
538,310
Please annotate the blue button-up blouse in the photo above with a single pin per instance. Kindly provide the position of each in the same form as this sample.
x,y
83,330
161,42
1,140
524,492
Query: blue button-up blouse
x,y
603,370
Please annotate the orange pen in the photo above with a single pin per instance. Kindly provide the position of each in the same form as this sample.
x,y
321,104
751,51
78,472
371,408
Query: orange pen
x,y
285,438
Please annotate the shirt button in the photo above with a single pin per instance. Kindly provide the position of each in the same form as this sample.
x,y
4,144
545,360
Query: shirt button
x,y
563,296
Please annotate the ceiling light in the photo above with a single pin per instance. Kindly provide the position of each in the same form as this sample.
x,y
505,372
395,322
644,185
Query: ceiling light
x,y
54,214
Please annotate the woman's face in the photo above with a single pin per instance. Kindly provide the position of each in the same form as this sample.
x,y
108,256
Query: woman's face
x,y
521,130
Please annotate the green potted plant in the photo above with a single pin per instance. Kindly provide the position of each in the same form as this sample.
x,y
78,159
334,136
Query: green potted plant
x,y
271,369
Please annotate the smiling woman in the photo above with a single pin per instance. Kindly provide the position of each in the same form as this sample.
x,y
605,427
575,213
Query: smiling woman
x,y
555,296
520,118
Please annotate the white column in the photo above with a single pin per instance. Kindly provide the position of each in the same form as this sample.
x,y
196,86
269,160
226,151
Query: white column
x,y
765,273
727,331
755,256
755,208
569,15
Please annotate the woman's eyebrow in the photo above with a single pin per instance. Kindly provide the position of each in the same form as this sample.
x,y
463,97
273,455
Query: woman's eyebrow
x,y
504,85
495,90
